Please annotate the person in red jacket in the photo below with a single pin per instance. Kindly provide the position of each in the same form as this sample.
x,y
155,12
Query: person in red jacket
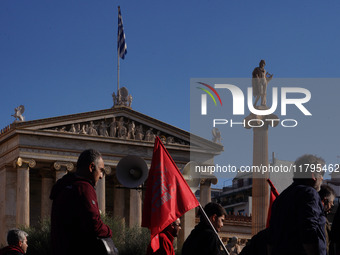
x,y
75,219
166,239
17,243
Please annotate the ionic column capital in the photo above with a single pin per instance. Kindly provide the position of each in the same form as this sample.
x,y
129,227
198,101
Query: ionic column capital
x,y
20,162
208,180
108,170
58,165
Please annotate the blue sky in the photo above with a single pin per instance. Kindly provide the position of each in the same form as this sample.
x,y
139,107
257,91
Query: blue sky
x,y
59,57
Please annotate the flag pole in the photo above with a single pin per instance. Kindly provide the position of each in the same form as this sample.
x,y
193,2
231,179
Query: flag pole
x,y
118,72
213,228
118,54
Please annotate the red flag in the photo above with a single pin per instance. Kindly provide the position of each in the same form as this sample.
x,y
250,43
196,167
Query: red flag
x,y
167,196
273,195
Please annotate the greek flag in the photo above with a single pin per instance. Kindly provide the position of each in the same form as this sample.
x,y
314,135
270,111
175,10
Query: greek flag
x,y
121,44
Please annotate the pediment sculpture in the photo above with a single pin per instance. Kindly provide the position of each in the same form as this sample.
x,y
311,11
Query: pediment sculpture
x,y
119,127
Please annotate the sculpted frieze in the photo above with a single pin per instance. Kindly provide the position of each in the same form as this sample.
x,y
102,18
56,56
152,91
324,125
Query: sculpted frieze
x,y
121,128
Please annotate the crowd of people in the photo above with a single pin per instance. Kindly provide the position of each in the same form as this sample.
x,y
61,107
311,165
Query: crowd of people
x,y
298,223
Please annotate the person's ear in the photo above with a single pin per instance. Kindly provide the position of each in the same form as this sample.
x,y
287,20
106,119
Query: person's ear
x,y
213,217
92,167
314,176
20,243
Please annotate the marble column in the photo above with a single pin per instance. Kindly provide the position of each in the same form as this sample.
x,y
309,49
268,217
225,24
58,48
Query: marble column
x,y
8,189
205,192
2,206
119,203
260,189
100,190
23,191
135,217
47,182
187,225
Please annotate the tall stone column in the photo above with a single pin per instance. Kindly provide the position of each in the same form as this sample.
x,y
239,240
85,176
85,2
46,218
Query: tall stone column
x,y
135,217
8,197
260,189
187,224
205,191
119,203
47,182
3,207
100,190
23,191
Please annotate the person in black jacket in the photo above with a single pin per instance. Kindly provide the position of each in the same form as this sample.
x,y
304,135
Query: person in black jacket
x,y
202,239
297,222
335,234
76,224
17,243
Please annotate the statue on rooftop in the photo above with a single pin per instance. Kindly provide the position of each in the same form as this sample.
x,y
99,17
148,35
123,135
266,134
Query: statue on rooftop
x,y
18,113
123,98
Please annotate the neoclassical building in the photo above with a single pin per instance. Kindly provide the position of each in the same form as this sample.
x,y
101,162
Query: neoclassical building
x,y
35,154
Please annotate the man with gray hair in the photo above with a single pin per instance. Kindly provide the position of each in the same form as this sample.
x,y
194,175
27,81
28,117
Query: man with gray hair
x,y
75,217
297,222
17,243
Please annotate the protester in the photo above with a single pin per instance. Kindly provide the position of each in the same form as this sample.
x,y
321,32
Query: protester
x,y
257,245
166,239
297,223
202,239
327,195
335,234
17,243
233,247
75,219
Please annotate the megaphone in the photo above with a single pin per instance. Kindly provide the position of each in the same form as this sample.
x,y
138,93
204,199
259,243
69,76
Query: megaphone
x,y
191,176
132,171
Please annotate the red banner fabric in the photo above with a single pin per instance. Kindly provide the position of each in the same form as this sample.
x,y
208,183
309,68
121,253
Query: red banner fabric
x,y
167,196
273,195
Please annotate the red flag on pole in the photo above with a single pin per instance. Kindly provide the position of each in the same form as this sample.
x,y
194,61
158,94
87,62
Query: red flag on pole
x,y
273,195
167,196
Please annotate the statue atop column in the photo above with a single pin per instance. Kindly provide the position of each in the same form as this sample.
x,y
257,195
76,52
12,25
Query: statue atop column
x,y
260,80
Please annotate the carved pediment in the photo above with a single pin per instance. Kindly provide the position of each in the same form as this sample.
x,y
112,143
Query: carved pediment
x,y
119,127
119,123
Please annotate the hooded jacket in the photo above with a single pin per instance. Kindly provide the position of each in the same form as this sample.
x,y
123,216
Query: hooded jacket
x,y
75,217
